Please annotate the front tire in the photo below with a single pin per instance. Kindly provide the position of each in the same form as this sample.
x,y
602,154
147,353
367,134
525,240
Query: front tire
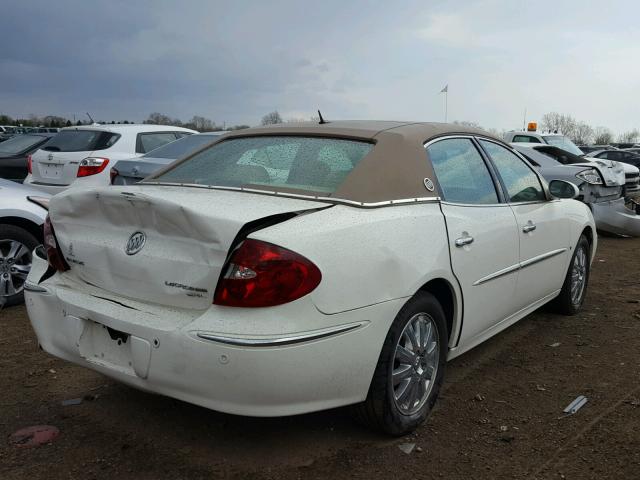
x,y
410,368
574,288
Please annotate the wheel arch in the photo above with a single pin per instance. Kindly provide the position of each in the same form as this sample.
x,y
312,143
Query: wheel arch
x,y
31,227
451,301
589,233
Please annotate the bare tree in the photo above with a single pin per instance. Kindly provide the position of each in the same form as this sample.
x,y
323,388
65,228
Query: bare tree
x,y
157,118
557,122
202,124
582,133
629,137
602,136
271,118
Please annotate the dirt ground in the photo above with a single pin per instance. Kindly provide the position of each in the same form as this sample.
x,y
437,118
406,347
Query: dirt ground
x,y
499,414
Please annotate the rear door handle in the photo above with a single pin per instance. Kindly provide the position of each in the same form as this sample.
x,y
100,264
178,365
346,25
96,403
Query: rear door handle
x,y
465,240
529,227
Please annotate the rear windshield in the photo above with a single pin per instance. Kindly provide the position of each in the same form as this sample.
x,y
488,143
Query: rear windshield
x,y
20,143
182,147
302,163
81,141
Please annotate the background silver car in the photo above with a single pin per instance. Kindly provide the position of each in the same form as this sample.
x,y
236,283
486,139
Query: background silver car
x,y
602,184
127,172
22,213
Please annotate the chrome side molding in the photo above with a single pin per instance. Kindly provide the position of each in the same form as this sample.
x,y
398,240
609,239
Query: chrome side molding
x,y
280,341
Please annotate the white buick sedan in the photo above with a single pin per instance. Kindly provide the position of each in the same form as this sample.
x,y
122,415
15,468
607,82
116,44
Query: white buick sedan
x,y
300,267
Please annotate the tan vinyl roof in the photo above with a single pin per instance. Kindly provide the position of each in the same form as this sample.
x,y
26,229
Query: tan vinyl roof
x,y
395,169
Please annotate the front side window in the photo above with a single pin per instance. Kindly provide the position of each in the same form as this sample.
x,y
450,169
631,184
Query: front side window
x,y
272,162
462,174
522,183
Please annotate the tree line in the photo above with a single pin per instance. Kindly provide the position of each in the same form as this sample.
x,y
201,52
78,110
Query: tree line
x,y
579,132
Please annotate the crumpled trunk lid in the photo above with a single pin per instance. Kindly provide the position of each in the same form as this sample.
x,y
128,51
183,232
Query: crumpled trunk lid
x,y
187,235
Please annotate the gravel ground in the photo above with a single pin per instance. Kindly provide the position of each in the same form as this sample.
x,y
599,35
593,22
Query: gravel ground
x,y
499,414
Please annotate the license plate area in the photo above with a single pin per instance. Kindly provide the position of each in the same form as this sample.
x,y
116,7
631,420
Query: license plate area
x,y
50,170
106,346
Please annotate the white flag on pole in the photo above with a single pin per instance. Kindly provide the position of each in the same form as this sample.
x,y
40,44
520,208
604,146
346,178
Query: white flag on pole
x,y
445,89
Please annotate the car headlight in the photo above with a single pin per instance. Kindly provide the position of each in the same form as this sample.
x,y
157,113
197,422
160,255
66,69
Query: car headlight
x,y
590,176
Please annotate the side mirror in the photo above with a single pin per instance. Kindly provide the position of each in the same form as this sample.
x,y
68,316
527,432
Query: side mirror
x,y
562,189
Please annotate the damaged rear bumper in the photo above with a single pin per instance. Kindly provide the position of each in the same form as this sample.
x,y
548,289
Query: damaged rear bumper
x,y
614,217
278,361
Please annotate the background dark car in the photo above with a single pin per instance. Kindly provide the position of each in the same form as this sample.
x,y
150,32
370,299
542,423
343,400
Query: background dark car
x,y
14,153
127,172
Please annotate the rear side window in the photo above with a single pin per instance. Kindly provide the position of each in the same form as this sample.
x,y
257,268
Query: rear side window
x,y
272,162
521,182
526,139
150,141
81,141
462,174
181,148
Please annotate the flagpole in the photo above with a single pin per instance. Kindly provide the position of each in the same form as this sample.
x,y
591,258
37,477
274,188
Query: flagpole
x,y
446,104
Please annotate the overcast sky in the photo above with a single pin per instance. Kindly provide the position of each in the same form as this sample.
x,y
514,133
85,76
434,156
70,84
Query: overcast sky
x,y
235,61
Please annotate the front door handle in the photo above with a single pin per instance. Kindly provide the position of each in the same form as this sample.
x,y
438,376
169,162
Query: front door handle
x,y
529,227
464,240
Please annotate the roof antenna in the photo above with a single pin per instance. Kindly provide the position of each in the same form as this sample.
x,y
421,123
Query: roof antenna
x,y
90,118
322,120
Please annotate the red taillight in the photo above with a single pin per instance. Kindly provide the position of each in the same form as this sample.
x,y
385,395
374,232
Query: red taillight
x,y
260,274
29,164
54,255
92,166
113,173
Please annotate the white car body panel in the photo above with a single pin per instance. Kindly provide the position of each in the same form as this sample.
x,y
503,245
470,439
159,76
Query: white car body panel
x,y
494,249
546,248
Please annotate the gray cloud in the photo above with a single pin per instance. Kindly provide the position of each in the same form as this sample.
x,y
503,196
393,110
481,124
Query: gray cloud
x,y
234,61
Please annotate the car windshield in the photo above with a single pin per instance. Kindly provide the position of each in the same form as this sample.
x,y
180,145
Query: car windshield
x,y
81,141
273,163
563,142
182,147
19,144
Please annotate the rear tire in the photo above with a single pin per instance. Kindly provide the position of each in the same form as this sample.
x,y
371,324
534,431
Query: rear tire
x,y
574,288
410,369
16,247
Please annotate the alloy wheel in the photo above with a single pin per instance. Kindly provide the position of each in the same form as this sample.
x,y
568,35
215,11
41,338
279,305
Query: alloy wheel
x,y
578,275
415,363
15,264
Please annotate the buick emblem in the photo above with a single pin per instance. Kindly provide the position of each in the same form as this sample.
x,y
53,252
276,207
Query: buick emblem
x,y
428,184
135,243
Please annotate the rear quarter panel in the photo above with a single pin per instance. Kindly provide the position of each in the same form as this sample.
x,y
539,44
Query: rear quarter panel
x,y
368,256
